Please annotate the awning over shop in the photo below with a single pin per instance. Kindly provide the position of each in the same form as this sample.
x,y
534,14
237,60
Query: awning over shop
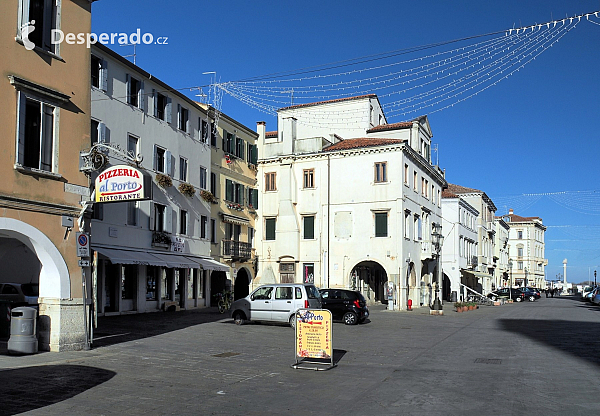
x,y
210,264
235,220
477,274
176,261
118,256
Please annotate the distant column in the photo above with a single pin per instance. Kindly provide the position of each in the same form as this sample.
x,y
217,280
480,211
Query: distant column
x,y
565,275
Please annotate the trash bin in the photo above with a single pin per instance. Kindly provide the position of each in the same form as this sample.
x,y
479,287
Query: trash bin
x,y
4,319
23,338
453,296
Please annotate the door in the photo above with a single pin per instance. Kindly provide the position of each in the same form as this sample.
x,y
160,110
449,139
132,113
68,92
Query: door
x,y
111,287
129,287
282,305
261,304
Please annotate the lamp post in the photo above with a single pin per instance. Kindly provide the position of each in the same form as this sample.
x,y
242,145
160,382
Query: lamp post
x,y
595,278
510,264
437,239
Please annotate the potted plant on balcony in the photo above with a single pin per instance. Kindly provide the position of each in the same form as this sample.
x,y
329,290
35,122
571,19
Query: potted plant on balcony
x,y
161,239
207,195
187,189
163,180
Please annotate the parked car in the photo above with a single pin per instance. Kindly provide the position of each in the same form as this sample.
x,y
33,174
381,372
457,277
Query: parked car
x,y
349,306
595,298
592,295
586,292
531,294
20,294
276,303
515,294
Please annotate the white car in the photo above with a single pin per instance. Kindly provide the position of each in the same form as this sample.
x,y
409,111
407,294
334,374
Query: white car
x,y
276,303
20,294
586,292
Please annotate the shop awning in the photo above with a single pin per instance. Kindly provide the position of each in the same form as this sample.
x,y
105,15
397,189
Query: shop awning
x,y
210,264
176,261
477,274
235,220
118,256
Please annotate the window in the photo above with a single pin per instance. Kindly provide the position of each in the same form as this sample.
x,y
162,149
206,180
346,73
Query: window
x,y
151,282
36,133
423,186
132,145
203,177
270,228
213,134
520,265
252,154
406,171
213,231
283,293
381,227
183,169
309,227
381,172
251,236
94,132
520,251
239,148
415,178
520,235
183,222
234,192
418,228
270,181
132,209
159,159
159,217
407,224
426,188
309,178
204,131
213,184
203,225
228,142
160,106
133,91
183,117
253,198
96,70
308,273
46,16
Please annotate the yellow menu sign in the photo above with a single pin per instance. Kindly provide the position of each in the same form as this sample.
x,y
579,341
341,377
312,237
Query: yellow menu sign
x,y
313,334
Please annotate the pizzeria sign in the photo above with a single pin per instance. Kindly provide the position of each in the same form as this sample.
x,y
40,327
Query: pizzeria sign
x,y
123,183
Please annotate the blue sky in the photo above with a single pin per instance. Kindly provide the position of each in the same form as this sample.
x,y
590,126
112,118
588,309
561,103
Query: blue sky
x,y
536,132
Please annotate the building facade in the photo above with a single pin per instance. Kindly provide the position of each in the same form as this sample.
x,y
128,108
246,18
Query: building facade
x,y
501,254
527,250
45,124
151,254
371,232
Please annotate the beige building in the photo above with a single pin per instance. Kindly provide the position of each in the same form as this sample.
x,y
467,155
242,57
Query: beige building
x,y
45,124
233,192
527,250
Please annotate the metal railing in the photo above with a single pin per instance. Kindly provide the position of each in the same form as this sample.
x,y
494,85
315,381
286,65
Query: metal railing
x,y
237,249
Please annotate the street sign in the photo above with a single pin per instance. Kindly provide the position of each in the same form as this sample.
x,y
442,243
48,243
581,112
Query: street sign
x,y
83,245
84,263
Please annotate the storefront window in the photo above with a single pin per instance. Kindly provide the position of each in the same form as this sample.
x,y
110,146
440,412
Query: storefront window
x,y
128,281
190,281
178,286
166,284
151,282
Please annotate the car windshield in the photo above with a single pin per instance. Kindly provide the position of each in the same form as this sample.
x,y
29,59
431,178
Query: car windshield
x,y
312,292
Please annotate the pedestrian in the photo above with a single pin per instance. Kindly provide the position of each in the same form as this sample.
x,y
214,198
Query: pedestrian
x,y
546,290
552,292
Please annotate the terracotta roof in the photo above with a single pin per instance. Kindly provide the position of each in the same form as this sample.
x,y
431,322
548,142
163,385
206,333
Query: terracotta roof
x,y
361,142
447,194
395,126
330,101
457,189
518,218
271,134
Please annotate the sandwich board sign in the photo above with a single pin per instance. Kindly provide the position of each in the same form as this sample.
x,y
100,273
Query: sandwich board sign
x,y
314,348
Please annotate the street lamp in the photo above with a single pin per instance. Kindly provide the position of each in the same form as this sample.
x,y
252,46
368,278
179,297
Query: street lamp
x,y
510,264
437,240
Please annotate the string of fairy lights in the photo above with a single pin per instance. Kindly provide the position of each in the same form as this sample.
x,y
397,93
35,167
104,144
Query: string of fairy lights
x,y
406,83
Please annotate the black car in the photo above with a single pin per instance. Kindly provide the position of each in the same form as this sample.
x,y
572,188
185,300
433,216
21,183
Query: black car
x,y
531,294
349,306
515,294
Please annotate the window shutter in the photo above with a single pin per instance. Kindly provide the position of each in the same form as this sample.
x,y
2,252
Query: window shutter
x,y
168,219
151,216
188,125
242,145
155,162
255,198
242,194
21,128
142,97
49,11
169,167
154,103
224,139
127,82
104,75
102,136
169,110
178,115
228,190
254,158
23,15
309,227
381,224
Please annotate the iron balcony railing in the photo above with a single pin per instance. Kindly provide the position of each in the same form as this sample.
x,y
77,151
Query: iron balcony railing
x,y
237,249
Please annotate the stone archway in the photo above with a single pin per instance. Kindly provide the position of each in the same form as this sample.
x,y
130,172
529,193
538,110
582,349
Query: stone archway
x,y
241,286
370,278
53,277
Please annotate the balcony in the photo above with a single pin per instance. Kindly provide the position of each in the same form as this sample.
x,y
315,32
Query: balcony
x,y
237,249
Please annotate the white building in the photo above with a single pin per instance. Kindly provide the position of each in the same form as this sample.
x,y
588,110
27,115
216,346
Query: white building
x,y
527,250
501,247
348,201
459,255
155,253
483,271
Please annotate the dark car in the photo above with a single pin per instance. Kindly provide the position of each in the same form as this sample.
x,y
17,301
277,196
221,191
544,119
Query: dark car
x,y
531,293
515,294
349,306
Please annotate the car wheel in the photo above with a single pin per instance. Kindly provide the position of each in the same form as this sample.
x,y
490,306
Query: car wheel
x,y
532,298
350,318
494,298
238,318
293,321
519,299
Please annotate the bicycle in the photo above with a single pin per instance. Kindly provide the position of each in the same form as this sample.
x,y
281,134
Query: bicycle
x,y
224,301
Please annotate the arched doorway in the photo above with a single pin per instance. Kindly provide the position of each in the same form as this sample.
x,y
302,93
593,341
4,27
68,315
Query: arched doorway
x,y
241,286
369,277
218,283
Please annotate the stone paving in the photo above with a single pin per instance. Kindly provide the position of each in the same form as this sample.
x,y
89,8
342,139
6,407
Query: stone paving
x,y
531,358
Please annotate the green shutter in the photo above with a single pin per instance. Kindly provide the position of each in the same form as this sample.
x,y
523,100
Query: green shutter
x,y
309,227
228,190
270,229
255,198
254,155
381,224
224,139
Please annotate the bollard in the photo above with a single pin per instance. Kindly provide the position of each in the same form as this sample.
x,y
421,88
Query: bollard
x,y
410,304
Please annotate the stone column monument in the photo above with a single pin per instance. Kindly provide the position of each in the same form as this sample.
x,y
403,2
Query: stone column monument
x,y
565,291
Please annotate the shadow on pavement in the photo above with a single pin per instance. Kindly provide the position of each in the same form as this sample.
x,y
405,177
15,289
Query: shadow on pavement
x,y
31,388
581,339
122,328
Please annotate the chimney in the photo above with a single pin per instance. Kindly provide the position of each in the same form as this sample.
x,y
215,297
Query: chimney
x,y
261,129
510,212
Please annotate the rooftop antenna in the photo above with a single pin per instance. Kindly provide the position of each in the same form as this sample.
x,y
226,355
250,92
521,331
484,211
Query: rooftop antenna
x,y
134,51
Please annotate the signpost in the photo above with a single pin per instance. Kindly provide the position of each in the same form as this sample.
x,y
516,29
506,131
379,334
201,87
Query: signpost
x,y
313,340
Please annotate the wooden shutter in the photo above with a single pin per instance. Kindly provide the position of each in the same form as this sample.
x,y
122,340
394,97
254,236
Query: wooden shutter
x,y
104,75
151,215
168,163
168,219
127,82
142,97
169,110
21,115
228,190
